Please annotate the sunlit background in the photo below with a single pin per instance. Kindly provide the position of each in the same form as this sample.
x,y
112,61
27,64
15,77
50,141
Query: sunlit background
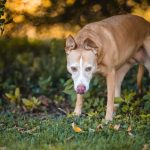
x,y
47,19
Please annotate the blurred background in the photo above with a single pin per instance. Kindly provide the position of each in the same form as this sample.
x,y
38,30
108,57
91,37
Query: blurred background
x,y
33,75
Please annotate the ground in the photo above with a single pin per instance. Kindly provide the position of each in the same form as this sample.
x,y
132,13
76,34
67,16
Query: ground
x,y
43,131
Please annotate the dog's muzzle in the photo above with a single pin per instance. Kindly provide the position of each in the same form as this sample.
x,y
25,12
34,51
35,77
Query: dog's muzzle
x,y
81,89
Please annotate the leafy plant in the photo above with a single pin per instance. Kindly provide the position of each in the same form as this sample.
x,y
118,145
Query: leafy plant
x,y
39,68
31,103
14,97
131,104
69,89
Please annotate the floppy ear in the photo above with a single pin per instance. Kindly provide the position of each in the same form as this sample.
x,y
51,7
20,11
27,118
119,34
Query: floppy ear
x,y
70,44
90,45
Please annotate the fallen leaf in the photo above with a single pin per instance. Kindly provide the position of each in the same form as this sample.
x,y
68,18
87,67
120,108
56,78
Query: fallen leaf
x,y
100,126
3,148
76,128
62,110
145,147
129,133
20,129
31,130
117,116
111,126
117,126
91,130
129,129
69,138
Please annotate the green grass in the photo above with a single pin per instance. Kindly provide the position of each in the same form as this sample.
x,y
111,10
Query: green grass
x,y
55,133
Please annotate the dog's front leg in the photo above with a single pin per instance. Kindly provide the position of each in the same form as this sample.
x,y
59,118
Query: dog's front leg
x,y
110,94
79,103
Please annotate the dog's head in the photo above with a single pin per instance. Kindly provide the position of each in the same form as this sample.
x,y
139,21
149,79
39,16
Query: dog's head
x,y
81,62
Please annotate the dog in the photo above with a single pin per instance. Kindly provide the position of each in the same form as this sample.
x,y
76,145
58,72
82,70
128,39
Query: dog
x,y
109,47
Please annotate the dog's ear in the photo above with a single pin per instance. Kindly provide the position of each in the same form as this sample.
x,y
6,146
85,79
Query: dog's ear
x,y
70,44
90,45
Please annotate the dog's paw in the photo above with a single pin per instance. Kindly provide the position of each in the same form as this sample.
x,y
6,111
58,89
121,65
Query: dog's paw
x,y
108,118
77,112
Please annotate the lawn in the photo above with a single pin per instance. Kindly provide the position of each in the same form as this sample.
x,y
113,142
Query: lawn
x,y
43,131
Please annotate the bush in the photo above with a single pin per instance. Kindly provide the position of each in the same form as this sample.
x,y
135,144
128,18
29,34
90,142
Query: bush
x,y
38,68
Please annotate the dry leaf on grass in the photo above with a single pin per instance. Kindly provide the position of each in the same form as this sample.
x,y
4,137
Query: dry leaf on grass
x,y
3,148
62,110
129,129
31,130
129,133
69,138
145,147
117,126
76,128
99,126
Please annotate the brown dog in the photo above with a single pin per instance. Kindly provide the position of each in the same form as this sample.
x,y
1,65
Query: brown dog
x,y
110,47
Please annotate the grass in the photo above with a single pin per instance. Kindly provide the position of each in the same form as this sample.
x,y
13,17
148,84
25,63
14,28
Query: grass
x,y
48,132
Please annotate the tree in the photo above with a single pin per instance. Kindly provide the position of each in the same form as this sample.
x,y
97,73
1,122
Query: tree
x,y
2,20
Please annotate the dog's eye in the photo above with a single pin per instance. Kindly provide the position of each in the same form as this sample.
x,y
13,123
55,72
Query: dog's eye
x,y
88,69
74,69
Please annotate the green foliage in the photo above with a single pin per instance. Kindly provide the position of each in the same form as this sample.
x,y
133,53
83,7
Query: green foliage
x,y
15,97
132,105
95,100
31,103
69,89
33,66
28,104
39,69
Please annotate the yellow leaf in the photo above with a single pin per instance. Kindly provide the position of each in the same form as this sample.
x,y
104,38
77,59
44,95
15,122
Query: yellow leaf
x,y
31,103
129,129
28,104
100,126
36,101
31,130
11,97
76,128
8,95
17,92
